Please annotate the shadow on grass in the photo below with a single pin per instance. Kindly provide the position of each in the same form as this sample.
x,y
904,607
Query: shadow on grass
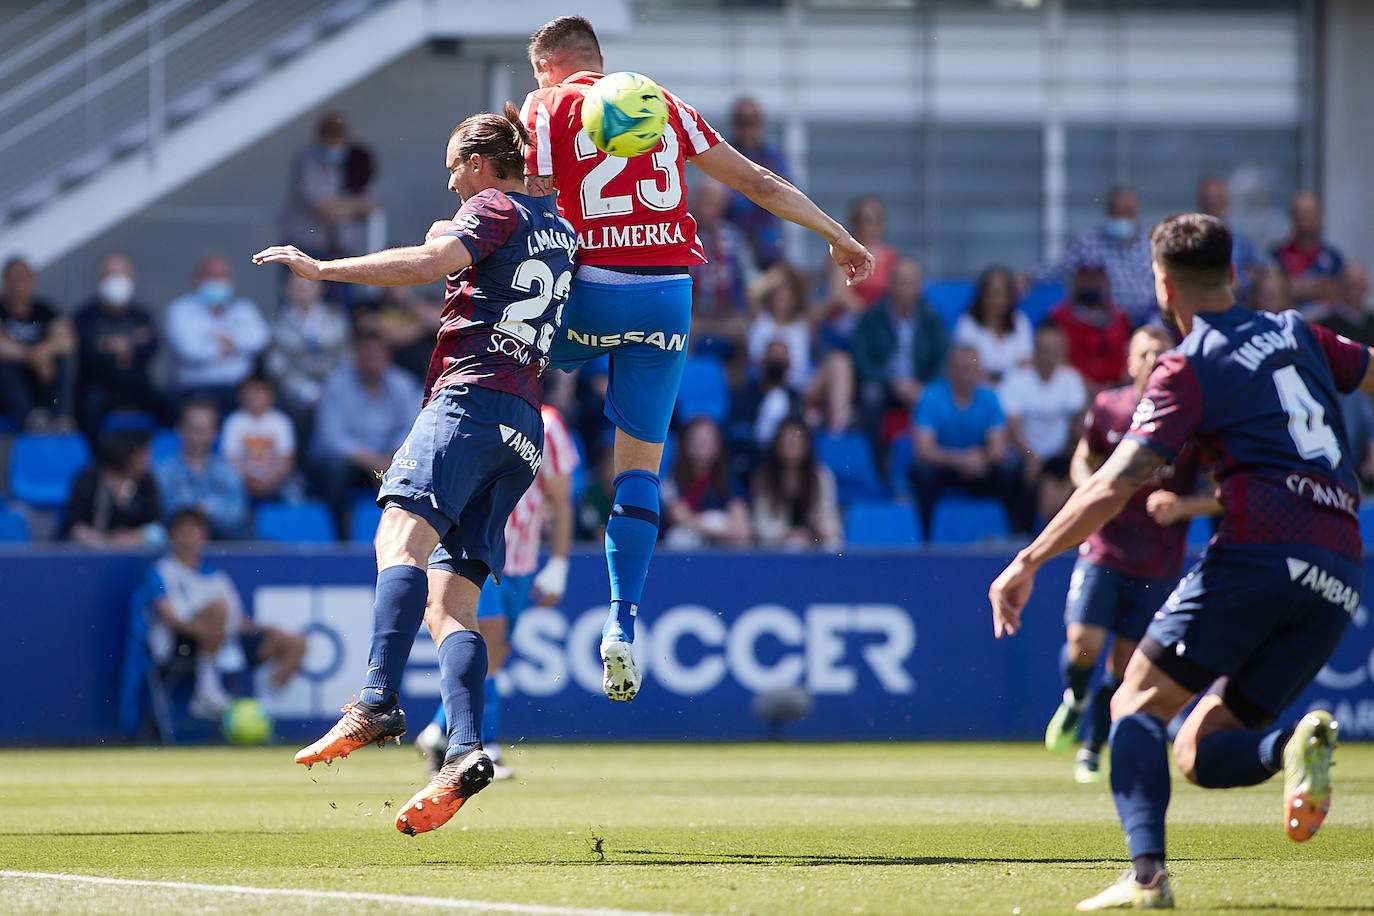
x,y
658,857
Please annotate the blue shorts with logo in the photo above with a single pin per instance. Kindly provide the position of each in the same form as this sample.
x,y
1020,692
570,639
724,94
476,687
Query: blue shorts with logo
x,y
1105,598
469,457
644,328
1265,618
506,598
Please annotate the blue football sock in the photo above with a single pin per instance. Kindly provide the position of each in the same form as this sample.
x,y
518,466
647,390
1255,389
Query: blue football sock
x,y
491,714
397,612
1140,782
1239,757
1075,678
631,533
1100,722
462,673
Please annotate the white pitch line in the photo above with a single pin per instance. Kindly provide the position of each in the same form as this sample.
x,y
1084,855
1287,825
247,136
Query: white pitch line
x,y
533,909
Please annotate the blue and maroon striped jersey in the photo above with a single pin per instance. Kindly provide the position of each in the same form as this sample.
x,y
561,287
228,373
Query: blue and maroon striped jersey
x,y
500,314
1259,393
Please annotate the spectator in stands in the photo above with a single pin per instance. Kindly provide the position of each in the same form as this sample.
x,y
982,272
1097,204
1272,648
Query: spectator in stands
x,y
899,348
993,325
762,229
769,399
1044,404
594,505
1313,266
1120,246
363,417
117,341
1353,315
703,507
720,304
1096,328
408,320
795,505
309,341
215,338
114,503
260,442
37,346
841,305
194,610
1271,291
197,477
330,194
960,440
1214,199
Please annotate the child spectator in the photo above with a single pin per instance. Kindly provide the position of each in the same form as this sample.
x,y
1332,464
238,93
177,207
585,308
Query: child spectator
x,y
114,503
704,508
994,327
260,442
1096,329
795,505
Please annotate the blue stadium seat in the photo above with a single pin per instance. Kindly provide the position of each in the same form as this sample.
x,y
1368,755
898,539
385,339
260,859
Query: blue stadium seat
x,y
850,457
1367,521
14,527
1199,531
293,523
949,298
362,526
967,520
1039,299
899,461
42,466
704,390
881,524
166,443
128,419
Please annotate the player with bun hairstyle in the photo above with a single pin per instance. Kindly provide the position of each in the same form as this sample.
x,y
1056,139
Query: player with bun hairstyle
x,y
471,453
1255,619
632,294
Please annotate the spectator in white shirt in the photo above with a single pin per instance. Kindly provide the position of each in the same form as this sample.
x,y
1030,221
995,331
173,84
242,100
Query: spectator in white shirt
x,y
260,442
1043,403
214,337
994,327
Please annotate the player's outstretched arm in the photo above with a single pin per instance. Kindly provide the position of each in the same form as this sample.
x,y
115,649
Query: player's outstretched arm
x,y
1089,508
411,266
780,197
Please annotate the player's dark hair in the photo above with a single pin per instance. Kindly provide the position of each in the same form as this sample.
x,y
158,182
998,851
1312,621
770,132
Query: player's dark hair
x,y
500,139
717,472
188,514
117,448
978,309
564,35
796,493
1194,249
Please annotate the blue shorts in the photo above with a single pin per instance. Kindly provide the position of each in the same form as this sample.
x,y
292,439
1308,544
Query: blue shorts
x,y
468,459
1265,619
1103,597
644,327
506,598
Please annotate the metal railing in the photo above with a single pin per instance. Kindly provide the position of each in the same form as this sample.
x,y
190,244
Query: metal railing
x,y
84,83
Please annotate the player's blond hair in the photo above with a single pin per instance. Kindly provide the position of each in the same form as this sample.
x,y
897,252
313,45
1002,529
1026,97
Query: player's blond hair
x,y
500,139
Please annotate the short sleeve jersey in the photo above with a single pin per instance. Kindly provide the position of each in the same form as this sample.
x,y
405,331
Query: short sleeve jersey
x,y
1259,392
1132,543
500,313
628,212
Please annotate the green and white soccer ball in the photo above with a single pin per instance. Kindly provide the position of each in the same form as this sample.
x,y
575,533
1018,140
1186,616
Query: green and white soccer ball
x,y
624,114
245,722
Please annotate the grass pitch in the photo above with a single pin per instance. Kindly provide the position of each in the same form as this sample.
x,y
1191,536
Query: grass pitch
x,y
769,828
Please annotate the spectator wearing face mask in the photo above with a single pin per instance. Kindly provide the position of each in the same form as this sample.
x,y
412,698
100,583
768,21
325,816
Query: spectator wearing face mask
x,y
1120,246
215,337
1095,328
117,340
330,194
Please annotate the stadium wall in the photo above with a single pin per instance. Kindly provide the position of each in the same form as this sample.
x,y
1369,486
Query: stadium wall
x,y
889,646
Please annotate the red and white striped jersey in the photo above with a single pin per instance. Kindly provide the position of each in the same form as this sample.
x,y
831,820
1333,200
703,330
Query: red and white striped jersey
x,y
627,212
526,522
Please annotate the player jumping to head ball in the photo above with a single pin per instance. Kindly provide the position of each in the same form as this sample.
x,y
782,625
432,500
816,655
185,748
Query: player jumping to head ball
x,y
632,295
1254,621
473,450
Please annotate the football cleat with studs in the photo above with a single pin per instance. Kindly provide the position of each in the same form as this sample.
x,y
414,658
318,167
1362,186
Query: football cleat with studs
x,y
360,726
1307,775
457,780
620,679
1126,893
1062,732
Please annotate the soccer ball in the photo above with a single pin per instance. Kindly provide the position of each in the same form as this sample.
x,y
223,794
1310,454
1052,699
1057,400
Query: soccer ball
x,y
246,722
624,113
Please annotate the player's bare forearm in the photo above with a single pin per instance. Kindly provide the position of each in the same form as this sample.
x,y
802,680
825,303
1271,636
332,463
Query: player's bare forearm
x,y
558,491
409,266
1096,502
1084,463
1200,504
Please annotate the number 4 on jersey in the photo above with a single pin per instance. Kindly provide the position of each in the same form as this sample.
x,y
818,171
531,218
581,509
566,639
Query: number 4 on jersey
x,y
1306,418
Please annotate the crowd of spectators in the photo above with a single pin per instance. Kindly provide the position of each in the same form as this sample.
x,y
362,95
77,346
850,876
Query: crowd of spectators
x,y
309,399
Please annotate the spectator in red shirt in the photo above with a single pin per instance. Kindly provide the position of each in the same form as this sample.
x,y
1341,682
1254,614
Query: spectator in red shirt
x,y
1313,266
1096,328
